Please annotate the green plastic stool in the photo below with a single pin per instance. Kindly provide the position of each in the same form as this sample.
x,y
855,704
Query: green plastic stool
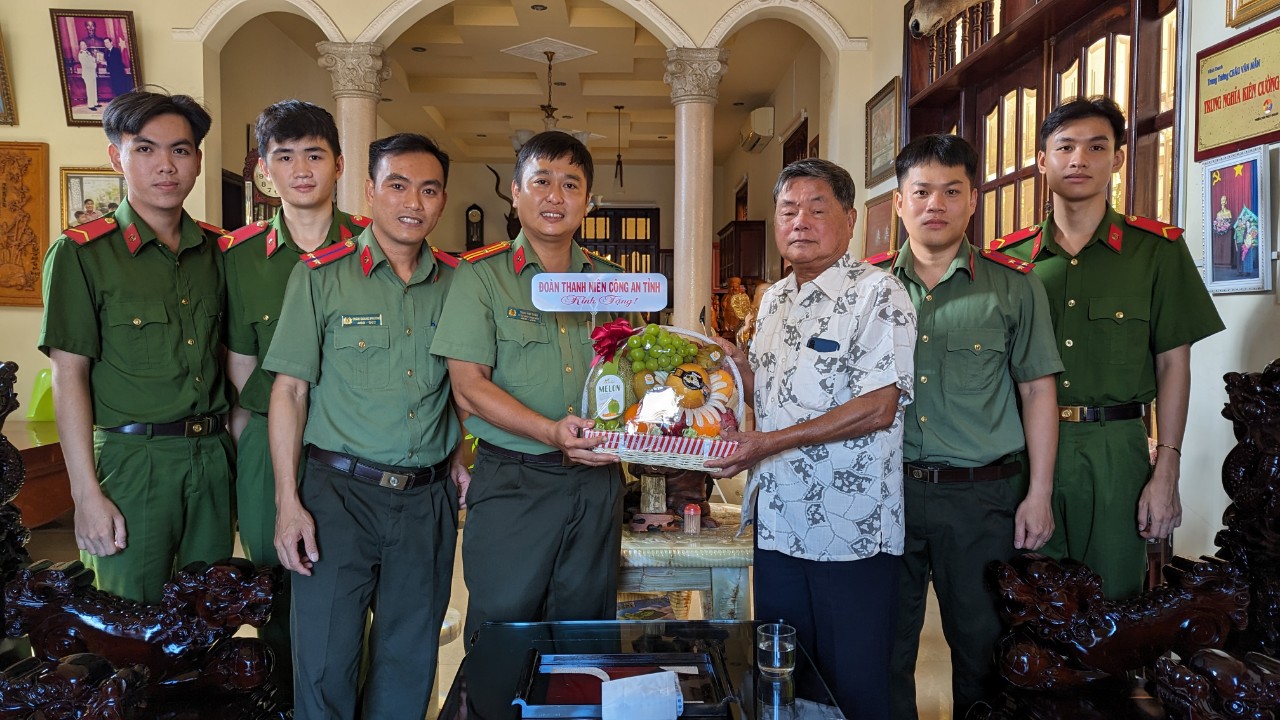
x,y
40,408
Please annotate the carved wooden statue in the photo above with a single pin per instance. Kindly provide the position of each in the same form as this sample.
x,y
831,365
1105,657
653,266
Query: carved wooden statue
x,y
1251,477
79,686
13,536
1066,634
1214,685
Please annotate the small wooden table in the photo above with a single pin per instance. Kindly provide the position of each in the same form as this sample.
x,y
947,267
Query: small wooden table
x,y
714,562
46,494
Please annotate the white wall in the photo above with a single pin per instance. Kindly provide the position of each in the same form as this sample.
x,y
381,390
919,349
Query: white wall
x,y
1248,343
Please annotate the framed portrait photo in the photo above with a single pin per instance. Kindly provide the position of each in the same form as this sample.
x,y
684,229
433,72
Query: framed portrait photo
x,y
884,116
89,193
8,110
1237,222
97,60
1240,12
882,226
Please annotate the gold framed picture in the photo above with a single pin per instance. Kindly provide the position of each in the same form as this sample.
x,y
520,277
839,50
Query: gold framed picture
x,y
882,226
884,116
89,193
97,60
1240,12
8,110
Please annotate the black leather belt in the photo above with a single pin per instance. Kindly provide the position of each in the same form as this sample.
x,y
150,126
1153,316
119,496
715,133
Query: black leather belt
x,y
191,427
551,458
397,479
1082,413
939,473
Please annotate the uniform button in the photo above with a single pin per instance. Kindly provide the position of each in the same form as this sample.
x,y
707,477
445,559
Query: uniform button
x,y
191,341
924,379
1075,261
568,368
977,347
924,418
563,330
137,321
185,301
1119,315
924,338
409,373
199,379
266,318
1071,303
361,344
410,454
929,297
408,331
1066,383
412,415
570,409
1069,343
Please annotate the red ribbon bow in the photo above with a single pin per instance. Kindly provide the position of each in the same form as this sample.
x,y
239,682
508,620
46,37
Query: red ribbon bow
x,y
608,338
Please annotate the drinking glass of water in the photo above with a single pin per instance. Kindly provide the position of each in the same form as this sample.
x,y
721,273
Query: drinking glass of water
x,y
775,649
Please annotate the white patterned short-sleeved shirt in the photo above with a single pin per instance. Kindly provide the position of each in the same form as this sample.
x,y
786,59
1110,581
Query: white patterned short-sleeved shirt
x,y
848,332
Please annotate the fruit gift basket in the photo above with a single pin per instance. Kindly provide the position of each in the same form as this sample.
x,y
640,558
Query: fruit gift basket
x,y
661,395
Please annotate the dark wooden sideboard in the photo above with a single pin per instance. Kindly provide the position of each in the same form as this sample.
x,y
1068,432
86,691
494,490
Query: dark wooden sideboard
x,y
46,494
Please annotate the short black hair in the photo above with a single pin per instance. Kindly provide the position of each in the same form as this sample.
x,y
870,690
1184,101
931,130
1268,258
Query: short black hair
x,y
839,179
294,120
945,150
554,145
128,113
1099,106
402,143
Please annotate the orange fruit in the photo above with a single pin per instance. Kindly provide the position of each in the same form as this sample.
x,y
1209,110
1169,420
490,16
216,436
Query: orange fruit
x,y
692,385
707,424
629,421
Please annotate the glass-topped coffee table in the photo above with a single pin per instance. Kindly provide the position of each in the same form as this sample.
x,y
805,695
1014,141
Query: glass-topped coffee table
x,y
504,662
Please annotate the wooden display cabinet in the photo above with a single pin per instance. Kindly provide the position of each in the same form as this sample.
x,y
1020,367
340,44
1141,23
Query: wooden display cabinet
x,y
740,252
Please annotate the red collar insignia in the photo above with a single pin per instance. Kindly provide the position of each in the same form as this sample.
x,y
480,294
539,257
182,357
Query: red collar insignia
x,y
1115,237
273,243
366,260
518,261
132,239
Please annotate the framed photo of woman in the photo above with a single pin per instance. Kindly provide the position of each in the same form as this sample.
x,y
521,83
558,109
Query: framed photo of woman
x,y
97,60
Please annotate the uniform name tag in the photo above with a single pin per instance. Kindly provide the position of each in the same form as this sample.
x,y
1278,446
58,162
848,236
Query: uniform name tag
x,y
375,319
532,316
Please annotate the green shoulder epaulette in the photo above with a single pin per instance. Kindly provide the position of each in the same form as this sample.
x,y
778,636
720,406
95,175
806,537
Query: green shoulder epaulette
x,y
1014,263
228,240
92,230
1155,227
326,255
487,251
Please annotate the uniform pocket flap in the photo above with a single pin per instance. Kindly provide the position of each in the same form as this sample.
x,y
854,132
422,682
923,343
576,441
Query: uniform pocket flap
x,y
975,340
137,314
1119,309
362,337
522,332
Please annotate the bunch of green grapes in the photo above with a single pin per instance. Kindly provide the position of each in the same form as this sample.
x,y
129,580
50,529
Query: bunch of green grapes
x,y
657,349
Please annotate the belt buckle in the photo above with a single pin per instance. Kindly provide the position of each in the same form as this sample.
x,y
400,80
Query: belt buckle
x,y
929,475
395,481
196,427
1071,413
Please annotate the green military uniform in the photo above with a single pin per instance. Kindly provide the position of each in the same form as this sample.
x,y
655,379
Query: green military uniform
x,y
542,540
362,337
150,321
981,330
259,258
1131,293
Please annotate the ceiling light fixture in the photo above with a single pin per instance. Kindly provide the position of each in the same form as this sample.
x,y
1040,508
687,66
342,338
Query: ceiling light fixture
x,y
549,120
538,7
418,48
617,166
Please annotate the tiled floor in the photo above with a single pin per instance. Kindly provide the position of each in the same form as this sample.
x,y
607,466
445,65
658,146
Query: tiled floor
x,y
56,541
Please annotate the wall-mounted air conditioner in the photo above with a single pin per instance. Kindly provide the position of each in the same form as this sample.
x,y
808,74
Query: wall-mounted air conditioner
x,y
758,130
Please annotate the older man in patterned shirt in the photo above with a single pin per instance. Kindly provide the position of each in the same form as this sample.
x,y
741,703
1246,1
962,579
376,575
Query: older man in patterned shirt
x,y
833,350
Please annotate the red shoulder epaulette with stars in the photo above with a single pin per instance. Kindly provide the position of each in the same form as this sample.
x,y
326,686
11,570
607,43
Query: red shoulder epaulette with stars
x,y
92,230
231,239
487,251
360,220
881,257
324,256
1021,266
1015,237
444,257
1155,227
